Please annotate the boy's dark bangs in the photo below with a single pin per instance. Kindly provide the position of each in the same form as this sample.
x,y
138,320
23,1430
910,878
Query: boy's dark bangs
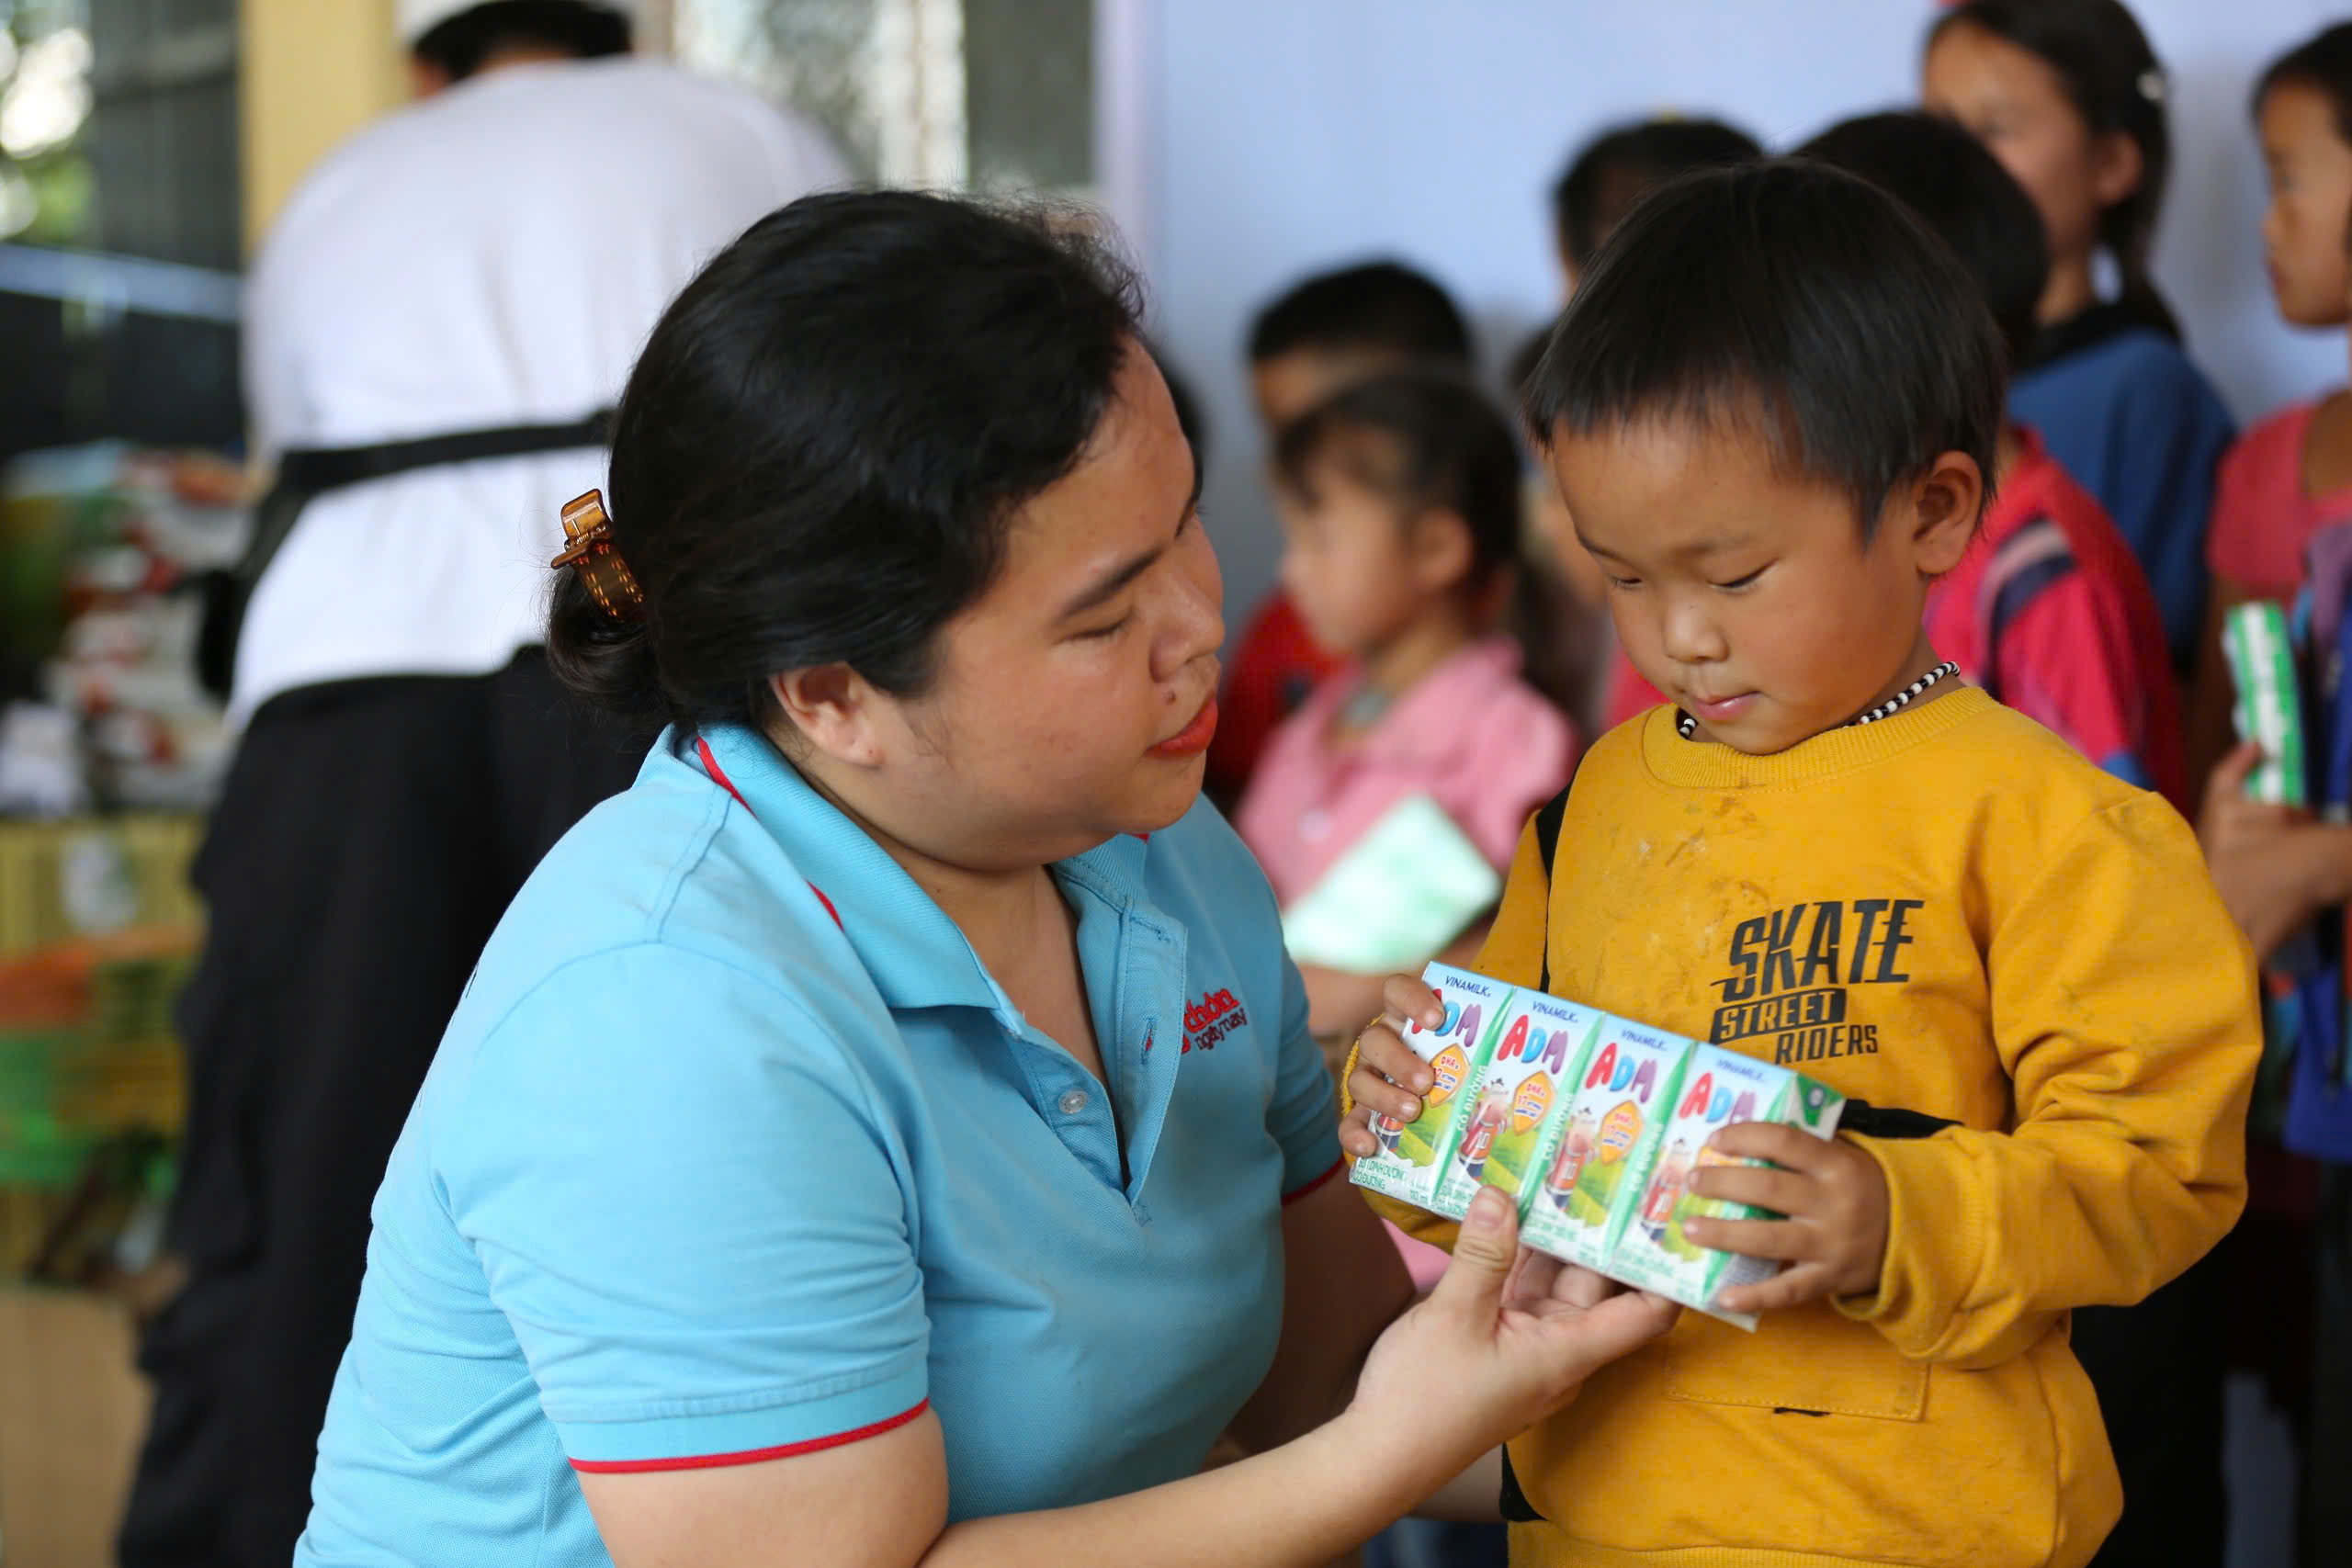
x,y
1788,300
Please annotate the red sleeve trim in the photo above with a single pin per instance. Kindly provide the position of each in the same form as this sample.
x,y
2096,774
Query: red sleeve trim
x,y
749,1456
1336,1166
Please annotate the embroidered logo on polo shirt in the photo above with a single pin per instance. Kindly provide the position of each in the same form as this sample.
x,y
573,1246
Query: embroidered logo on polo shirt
x,y
1210,1019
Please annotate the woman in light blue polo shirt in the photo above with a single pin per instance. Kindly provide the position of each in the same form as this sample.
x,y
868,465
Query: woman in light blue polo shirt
x,y
889,1132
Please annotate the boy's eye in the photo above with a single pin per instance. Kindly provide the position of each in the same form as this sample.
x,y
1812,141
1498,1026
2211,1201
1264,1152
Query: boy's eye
x,y
1741,582
1617,581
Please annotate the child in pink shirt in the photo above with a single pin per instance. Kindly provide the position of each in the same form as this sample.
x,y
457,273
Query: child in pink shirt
x,y
2290,475
1400,507
1399,499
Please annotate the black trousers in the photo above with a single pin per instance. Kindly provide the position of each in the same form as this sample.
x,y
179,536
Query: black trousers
x,y
2159,1369
370,834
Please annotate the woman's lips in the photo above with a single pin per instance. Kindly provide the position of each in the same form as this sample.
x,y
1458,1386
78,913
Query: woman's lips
x,y
1195,737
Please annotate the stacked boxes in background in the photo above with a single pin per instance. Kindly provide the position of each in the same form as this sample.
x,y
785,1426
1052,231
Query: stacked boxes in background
x,y
1592,1124
101,548
97,932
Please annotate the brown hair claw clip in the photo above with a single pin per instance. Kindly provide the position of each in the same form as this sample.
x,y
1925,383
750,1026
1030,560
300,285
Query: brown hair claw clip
x,y
590,552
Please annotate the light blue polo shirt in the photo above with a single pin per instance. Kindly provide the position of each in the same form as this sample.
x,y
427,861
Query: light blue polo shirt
x,y
701,1174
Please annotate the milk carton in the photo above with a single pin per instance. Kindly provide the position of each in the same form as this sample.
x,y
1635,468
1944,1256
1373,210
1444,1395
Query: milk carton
x,y
1718,1088
1609,1127
2269,709
1508,1124
1413,1157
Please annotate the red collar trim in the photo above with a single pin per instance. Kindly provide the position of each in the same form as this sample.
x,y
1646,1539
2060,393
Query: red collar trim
x,y
718,776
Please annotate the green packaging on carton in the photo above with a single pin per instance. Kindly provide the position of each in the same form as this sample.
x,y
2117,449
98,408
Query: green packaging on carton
x,y
1718,1088
1510,1130
1609,1127
1414,1156
2269,709
1515,1094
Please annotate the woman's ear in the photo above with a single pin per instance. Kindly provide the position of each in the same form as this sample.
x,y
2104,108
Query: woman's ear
x,y
2117,167
1441,551
1945,505
833,710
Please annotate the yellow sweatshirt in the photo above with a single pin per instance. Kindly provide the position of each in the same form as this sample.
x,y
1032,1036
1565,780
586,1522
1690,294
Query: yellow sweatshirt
x,y
1948,912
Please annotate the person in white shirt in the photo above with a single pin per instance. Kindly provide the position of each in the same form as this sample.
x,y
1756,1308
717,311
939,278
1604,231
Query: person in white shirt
x,y
473,274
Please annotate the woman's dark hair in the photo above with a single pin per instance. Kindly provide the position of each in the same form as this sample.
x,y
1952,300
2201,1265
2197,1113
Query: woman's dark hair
x,y
1191,417
2113,79
1962,192
1624,162
2322,63
1382,307
1792,299
1422,439
459,45
818,455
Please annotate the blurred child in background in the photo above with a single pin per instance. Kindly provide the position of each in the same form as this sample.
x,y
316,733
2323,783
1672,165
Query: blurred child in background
x,y
2291,474
1323,333
2068,94
1399,498
1557,610
1621,165
2282,487
1399,501
2048,611
1602,182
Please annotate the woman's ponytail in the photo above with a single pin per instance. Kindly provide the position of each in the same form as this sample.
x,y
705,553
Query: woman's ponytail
x,y
608,660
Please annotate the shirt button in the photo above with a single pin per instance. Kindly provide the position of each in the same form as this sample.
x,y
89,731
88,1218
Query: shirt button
x,y
1074,1101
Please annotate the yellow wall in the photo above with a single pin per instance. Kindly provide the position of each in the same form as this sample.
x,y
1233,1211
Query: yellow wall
x,y
313,72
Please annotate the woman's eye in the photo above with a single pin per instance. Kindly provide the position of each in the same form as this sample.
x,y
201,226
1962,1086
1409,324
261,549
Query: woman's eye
x,y
1103,633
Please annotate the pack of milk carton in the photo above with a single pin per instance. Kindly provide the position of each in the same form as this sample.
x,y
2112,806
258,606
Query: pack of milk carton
x,y
1592,1124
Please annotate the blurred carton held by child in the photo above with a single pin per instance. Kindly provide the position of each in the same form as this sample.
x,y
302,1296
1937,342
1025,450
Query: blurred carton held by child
x,y
1772,410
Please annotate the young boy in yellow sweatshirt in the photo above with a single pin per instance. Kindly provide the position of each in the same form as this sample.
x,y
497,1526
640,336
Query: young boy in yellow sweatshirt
x,y
1772,411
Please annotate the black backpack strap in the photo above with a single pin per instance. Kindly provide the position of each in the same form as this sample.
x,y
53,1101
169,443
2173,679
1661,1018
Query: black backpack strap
x,y
1547,840
306,473
1867,1121
1517,1509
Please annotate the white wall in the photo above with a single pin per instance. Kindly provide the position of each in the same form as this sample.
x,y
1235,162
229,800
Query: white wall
x,y
1278,136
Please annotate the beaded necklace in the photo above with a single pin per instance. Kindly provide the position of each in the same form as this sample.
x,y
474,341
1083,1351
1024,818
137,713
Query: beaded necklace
x,y
1685,725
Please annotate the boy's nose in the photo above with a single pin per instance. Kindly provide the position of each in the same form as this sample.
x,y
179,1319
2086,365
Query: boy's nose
x,y
1690,637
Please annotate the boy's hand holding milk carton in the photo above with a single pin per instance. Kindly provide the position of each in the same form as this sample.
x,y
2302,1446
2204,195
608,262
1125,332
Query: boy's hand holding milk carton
x,y
1592,1124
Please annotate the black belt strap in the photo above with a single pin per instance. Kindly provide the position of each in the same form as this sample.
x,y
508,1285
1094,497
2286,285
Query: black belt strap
x,y
306,473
